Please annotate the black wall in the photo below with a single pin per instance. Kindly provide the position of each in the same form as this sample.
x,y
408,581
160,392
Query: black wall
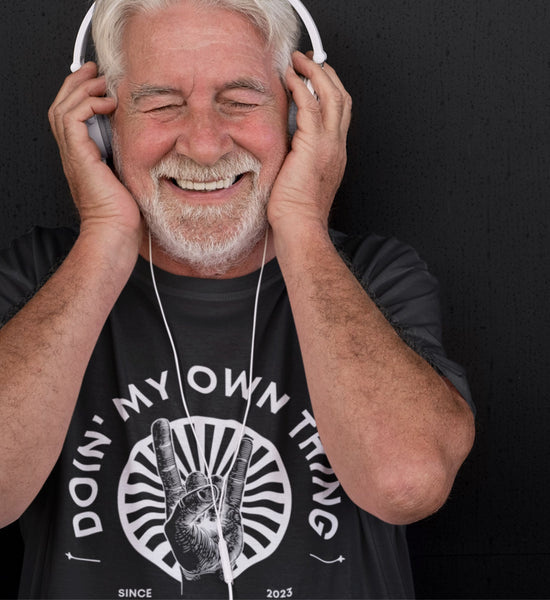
x,y
449,151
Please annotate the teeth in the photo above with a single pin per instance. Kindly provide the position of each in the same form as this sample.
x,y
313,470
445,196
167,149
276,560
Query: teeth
x,y
206,186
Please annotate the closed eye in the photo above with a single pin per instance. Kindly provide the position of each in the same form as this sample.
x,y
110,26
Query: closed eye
x,y
243,105
147,99
162,108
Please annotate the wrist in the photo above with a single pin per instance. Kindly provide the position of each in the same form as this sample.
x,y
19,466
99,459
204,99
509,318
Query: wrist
x,y
301,240
293,226
114,248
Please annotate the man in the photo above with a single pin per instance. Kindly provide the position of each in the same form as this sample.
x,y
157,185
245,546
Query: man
x,y
170,432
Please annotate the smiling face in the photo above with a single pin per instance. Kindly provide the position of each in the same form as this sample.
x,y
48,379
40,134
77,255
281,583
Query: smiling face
x,y
200,133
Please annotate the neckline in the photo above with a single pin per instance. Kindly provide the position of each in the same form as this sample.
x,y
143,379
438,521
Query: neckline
x,y
179,285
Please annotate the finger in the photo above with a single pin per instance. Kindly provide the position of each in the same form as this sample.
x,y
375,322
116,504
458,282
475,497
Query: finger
x,y
80,105
194,504
217,485
166,463
72,81
340,95
237,476
334,106
309,116
81,96
88,90
75,141
195,481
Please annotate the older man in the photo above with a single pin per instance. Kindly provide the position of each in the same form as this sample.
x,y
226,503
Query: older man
x,y
203,394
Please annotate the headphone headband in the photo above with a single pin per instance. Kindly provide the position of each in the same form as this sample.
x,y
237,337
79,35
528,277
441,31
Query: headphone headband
x,y
79,52
319,55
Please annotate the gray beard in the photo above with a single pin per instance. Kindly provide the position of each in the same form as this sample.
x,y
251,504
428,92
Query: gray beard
x,y
211,239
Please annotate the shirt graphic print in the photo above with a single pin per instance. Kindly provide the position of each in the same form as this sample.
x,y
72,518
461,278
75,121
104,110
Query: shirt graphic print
x,y
170,499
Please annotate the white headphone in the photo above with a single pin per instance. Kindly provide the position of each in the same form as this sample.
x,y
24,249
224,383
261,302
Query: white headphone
x,y
99,126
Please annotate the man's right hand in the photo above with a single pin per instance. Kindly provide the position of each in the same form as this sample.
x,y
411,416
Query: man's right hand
x,y
103,203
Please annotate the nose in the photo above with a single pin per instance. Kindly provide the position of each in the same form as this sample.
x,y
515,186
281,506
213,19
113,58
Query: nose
x,y
204,137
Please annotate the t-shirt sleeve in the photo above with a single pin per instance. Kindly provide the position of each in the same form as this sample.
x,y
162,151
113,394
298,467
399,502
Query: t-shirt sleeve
x,y
28,263
399,282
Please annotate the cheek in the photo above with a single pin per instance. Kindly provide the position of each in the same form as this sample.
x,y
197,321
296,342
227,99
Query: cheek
x,y
272,148
272,165
144,148
139,146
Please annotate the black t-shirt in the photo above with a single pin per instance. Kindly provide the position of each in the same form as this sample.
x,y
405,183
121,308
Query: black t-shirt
x,y
107,525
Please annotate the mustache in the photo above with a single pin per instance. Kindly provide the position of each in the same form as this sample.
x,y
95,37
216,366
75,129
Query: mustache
x,y
184,168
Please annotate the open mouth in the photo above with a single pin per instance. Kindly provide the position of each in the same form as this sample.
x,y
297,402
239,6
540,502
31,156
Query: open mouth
x,y
206,186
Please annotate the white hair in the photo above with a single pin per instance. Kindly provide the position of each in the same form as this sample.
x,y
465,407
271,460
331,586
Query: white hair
x,y
274,19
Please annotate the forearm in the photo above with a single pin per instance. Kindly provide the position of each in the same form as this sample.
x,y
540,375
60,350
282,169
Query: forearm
x,y
44,351
394,431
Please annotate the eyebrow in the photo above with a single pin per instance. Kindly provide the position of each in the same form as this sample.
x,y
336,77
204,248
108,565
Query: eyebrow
x,y
139,92
254,85
146,91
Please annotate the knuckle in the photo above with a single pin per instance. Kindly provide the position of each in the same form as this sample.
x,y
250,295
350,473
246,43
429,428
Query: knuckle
x,y
56,114
69,78
65,119
336,98
348,100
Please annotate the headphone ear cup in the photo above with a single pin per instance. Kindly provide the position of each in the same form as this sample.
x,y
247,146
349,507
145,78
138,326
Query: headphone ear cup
x,y
99,129
292,111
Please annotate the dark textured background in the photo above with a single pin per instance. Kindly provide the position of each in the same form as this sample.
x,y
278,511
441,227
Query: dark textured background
x,y
449,151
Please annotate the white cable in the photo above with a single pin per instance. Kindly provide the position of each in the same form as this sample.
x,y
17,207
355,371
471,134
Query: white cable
x,y
251,365
225,560
176,357
213,489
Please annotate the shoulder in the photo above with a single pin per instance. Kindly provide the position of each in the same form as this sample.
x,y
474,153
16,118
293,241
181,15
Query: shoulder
x,y
38,250
399,281
387,267
48,240
27,262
